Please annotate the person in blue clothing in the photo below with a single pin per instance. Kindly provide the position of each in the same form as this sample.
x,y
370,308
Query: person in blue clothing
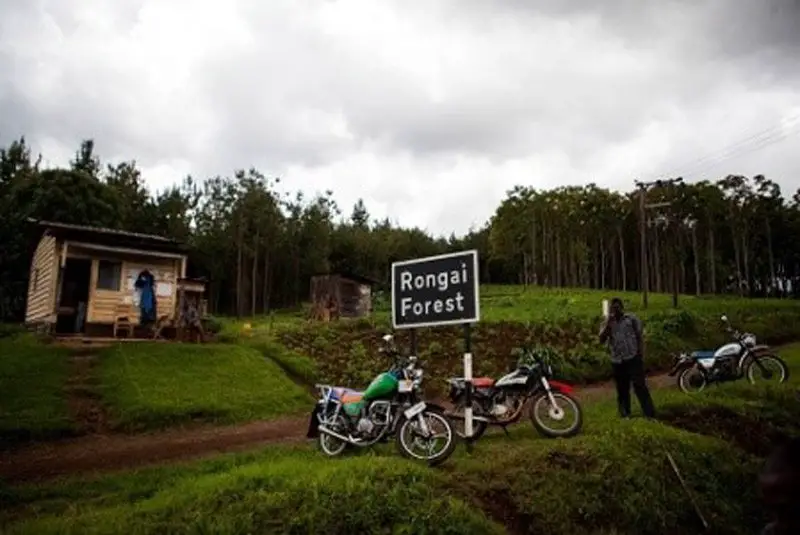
x,y
145,283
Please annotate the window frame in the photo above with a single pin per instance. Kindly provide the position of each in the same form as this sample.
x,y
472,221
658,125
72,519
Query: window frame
x,y
116,281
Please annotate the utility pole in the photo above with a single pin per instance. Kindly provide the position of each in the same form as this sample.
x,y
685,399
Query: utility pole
x,y
643,207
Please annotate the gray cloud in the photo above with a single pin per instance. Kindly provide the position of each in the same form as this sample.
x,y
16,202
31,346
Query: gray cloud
x,y
340,92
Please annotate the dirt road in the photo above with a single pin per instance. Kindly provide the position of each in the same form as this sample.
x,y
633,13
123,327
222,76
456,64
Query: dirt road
x,y
101,451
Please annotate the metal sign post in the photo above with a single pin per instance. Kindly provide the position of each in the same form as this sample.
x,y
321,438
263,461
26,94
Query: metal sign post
x,y
440,290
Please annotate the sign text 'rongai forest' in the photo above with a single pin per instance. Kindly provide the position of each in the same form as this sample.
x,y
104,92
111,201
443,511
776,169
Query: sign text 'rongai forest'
x,y
437,290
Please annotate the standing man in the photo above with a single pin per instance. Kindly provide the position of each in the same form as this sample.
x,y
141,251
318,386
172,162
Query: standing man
x,y
623,332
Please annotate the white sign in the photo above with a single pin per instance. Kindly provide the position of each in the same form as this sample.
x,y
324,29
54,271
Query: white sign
x,y
163,289
436,290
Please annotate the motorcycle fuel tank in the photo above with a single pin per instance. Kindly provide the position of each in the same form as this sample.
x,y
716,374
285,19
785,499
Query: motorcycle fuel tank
x,y
383,386
728,350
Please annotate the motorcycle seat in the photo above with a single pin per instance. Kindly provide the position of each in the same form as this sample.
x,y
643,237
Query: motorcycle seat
x,y
482,382
477,382
347,395
702,354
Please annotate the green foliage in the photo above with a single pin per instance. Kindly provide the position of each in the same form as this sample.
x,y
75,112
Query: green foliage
x,y
212,325
157,385
32,397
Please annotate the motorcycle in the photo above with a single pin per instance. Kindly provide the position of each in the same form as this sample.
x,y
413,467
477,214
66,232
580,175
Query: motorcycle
x,y
501,402
390,405
731,362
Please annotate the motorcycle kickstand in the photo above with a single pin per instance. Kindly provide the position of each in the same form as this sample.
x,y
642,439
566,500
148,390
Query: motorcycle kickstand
x,y
505,430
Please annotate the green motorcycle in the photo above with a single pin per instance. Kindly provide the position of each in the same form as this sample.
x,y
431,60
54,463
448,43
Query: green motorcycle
x,y
390,405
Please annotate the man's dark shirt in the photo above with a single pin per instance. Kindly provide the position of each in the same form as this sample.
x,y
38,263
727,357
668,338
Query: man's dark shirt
x,y
623,338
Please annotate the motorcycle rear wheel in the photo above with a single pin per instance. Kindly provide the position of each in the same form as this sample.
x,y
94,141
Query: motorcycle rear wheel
x,y
567,404
685,380
332,446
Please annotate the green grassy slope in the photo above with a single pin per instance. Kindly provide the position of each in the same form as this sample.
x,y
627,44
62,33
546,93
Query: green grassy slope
x,y
33,402
157,385
614,478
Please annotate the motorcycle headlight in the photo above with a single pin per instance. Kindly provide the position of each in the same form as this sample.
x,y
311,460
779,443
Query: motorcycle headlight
x,y
418,375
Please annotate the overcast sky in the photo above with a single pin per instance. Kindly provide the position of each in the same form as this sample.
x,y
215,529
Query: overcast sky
x,y
428,109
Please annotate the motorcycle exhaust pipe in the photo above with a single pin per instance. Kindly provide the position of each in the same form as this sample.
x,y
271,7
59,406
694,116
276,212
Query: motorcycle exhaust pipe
x,y
474,418
334,434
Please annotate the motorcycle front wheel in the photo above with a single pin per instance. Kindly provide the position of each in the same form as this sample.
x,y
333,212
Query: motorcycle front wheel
x,y
567,409
772,363
434,447
691,380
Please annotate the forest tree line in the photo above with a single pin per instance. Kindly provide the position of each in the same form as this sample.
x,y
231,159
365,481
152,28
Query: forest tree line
x,y
259,247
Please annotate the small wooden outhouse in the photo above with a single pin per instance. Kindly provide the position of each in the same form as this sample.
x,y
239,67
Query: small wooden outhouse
x,y
341,294
83,279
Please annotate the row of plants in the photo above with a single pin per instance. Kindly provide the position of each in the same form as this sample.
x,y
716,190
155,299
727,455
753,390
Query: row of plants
x,y
346,352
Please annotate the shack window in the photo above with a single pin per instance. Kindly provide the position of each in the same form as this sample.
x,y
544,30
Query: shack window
x,y
109,275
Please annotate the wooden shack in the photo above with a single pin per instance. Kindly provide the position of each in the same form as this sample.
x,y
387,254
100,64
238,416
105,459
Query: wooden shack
x,y
83,279
340,295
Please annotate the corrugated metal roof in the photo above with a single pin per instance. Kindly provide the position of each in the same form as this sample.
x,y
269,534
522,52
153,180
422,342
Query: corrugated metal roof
x,y
102,230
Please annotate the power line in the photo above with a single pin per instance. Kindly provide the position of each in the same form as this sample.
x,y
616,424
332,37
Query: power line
x,y
764,143
756,141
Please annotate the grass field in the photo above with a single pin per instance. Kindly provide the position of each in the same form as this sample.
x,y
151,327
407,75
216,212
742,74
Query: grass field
x,y
32,399
147,386
614,478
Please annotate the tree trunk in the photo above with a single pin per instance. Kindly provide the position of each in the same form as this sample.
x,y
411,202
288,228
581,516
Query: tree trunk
x,y
695,253
737,253
712,261
746,259
265,289
657,260
622,261
771,257
254,275
559,271
239,271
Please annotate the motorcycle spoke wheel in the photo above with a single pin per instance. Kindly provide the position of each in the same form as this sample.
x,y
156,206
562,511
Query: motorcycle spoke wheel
x,y
692,380
330,445
434,446
562,420
771,364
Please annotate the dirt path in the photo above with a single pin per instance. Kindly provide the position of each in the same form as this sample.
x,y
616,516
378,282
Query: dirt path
x,y
83,401
102,452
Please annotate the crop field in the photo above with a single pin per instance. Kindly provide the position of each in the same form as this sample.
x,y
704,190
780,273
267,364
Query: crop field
x,y
566,321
